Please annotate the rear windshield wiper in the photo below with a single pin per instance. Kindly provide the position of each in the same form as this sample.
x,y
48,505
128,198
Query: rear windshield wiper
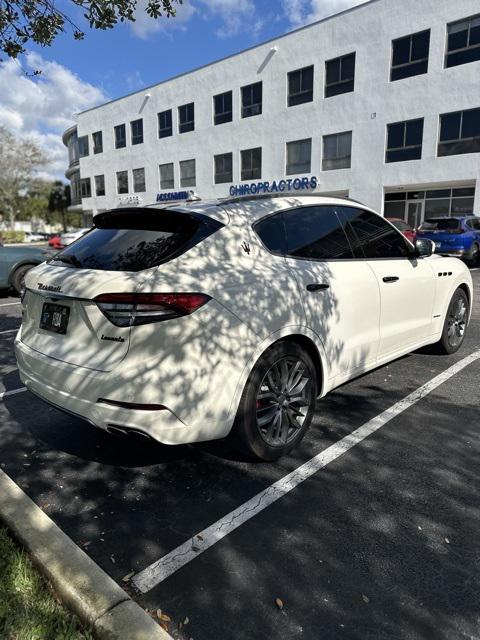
x,y
67,259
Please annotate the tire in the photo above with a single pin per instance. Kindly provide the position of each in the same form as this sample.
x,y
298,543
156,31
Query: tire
x,y
474,255
455,323
270,422
18,277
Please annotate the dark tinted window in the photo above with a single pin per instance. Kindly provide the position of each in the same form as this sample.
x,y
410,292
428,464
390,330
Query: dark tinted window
x,y
165,124
100,185
83,146
340,75
441,224
251,164
120,136
300,86
186,118
223,168
459,133
97,142
252,100
132,241
223,107
85,188
272,233
316,232
374,235
463,43
410,55
404,141
137,131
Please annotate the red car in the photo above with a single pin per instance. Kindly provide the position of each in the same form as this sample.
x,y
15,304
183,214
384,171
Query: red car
x,y
404,228
55,242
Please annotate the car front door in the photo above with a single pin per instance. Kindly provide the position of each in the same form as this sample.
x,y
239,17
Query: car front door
x,y
340,294
5,261
406,282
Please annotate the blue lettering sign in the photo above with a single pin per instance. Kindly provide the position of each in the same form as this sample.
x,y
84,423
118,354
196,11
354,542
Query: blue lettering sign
x,y
297,184
172,195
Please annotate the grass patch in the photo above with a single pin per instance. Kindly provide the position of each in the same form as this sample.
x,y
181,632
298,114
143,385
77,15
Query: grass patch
x,y
28,608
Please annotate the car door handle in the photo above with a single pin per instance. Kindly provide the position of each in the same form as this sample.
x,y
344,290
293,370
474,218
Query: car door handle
x,y
390,278
317,286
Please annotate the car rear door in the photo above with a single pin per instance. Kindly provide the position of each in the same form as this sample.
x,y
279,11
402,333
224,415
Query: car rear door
x,y
340,294
406,283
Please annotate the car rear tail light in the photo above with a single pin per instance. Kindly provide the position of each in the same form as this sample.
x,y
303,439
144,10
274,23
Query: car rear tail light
x,y
129,309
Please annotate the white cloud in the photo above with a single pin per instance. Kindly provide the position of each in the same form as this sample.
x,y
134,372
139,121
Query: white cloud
x,y
42,107
301,12
231,15
145,26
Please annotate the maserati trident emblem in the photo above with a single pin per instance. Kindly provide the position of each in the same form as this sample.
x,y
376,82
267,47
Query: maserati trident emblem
x,y
246,247
49,287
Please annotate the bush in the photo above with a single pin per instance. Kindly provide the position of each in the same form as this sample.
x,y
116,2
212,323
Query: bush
x,y
12,236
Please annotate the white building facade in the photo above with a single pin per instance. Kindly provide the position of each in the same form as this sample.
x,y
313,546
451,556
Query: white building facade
x,y
380,103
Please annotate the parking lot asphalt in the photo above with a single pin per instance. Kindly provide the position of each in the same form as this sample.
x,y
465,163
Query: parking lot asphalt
x,y
381,543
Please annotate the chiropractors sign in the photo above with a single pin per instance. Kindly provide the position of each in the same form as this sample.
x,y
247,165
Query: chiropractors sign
x,y
275,186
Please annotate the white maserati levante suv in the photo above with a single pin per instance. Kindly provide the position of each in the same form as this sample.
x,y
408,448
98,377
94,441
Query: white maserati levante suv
x,y
188,323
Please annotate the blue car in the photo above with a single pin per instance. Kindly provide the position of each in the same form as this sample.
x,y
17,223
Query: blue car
x,y
15,261
457,236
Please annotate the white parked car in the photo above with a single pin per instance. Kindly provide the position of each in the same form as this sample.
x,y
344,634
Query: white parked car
x,y
70,236
190,322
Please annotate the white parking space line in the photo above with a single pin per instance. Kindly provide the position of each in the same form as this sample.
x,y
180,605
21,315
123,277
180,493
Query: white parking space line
x,y
164,567
13,392
9,304
2,333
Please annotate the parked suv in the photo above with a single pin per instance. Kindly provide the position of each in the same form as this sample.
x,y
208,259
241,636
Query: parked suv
x,y
188,323
454,236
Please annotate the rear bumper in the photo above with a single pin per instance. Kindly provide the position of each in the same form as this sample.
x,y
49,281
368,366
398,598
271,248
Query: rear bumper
x,y
76,391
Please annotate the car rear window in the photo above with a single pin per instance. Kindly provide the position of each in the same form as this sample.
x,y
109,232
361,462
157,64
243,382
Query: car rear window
x,y
134,240
441,224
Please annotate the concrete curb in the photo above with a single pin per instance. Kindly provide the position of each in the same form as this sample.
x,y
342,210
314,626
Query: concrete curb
x,y
81,584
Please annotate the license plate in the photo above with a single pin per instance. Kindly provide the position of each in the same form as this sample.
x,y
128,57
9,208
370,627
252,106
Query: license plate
x,y
438,244
54,318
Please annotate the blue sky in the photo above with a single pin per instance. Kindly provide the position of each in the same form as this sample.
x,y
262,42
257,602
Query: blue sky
x,y
77,75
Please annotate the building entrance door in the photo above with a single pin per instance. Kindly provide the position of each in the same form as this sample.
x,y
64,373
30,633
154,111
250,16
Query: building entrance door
x,y
415,213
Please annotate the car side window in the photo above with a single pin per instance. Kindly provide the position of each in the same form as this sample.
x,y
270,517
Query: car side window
x,y
272,233
316,233
374,235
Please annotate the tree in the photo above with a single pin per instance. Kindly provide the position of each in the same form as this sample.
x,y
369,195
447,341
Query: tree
x,y
59,200
40,21
19,158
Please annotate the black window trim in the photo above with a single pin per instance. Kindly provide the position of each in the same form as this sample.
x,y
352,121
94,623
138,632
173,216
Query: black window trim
x,y
222,113
460,139
405,146
461,49
301,92
410,62
253,104
159,129
339,82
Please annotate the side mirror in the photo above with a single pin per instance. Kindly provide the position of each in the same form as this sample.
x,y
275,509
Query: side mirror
x,y
424,247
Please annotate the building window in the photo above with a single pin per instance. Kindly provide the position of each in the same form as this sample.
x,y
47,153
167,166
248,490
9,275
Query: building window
x,y
252,100
165,129
410,55
299,155
166,176
459,133
139,180
251,164
120,136
85,188
404,141
300,86
340,75
122,181
75,187
436,202
223,168
337,151
100,185
83,146
97,142
463,44
137,131
187,173
186,118
222,107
